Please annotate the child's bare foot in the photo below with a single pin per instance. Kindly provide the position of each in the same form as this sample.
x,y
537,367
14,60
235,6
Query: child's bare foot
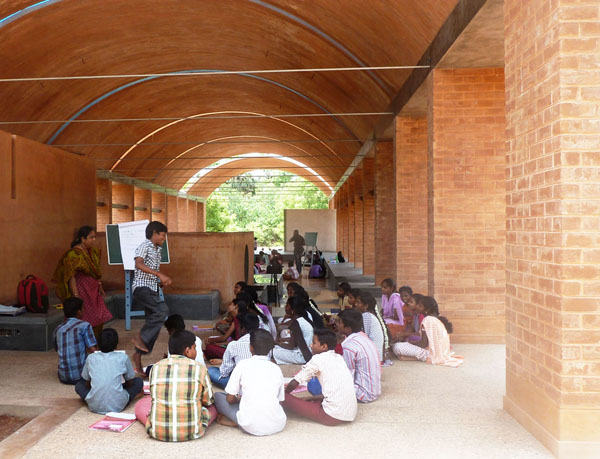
x,y
225,421
139,344
137,363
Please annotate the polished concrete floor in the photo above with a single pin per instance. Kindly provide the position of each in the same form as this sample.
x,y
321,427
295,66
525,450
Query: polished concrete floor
x,y
425,411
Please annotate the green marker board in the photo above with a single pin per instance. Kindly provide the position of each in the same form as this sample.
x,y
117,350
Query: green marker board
x,y
113,245
310,239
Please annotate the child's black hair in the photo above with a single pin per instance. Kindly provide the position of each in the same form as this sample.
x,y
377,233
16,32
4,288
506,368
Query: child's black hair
x,y
71,306
108,340
175,322
180,340
81,233
369,300
390,283
432,309
418,297
352,318
261,341
345,287
245,296
155,227
299,306
290,264
446,323
355,292
248,321
405,288
326,337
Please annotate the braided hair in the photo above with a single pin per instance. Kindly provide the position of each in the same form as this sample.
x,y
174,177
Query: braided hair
x,y
369,300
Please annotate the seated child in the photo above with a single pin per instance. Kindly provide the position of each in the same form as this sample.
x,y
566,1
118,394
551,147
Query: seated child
x,y
391,304
72,339
353,295
434,346
373,324
342,293
361,356
338,401
180,404
291,273
255,388
101,386
215,345
236,352
295,348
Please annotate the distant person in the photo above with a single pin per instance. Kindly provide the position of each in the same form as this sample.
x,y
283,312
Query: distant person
x,y
79,274
180,404
255,244
340,258
146,280
317,270
275,267
255,388
392,306
102,386
291,273
299,244
343,291
73,339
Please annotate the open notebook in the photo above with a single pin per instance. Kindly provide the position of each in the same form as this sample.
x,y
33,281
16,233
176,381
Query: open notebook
x,y
115,422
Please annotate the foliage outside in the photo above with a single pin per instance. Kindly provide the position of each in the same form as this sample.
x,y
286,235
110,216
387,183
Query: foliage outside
x,y
255,201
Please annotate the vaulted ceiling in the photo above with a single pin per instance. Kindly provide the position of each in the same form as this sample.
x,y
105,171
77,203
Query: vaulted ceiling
x,y
166,128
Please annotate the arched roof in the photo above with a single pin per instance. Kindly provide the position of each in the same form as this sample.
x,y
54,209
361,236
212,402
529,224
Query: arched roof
x,y
177,113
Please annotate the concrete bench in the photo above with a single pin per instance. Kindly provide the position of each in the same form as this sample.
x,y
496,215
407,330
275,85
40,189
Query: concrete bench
x,y
194,306
29,332
346,272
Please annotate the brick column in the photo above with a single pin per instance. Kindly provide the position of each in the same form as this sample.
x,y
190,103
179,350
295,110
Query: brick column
x,y
385,212
182,214
142,200
159,207
201,217
351,245
552,50
467,200
344,220
338,223
368,215
103,203
171,221
411,203
122,197
358,217
193,216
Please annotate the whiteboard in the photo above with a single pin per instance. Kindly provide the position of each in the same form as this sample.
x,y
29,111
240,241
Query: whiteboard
x,y
131,235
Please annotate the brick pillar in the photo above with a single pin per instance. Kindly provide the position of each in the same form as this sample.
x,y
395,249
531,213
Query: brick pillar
x,y
159,207
142,200
358,217
122,198
172,222
192,216
385,212
411,203
103,203
351,245
201,217
368,216
467,200
552,50
344,218
182,214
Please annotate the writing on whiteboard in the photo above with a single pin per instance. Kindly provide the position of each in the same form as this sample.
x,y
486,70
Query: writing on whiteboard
x,y
131,234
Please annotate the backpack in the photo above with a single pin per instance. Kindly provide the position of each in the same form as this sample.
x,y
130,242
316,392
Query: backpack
x,y
33,294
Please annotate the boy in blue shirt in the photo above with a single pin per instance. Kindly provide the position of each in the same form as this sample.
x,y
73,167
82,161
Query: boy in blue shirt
x,y
101,386
72,339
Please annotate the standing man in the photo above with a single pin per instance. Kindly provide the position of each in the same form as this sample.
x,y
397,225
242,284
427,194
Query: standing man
x,y
146,282
298,249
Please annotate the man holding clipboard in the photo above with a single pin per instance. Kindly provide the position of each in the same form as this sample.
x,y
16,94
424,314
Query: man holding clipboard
x,y
147,278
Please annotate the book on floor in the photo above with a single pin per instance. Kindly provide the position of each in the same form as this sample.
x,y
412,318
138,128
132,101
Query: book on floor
x,y
114,422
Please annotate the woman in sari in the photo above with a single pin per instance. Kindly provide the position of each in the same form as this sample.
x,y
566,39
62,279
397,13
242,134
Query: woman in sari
x,y
78,274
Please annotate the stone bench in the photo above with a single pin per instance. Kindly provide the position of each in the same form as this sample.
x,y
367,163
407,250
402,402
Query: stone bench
x,y
29,332
346,272
193,306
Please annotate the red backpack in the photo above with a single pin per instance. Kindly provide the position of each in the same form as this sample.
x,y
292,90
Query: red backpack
x,y
33,294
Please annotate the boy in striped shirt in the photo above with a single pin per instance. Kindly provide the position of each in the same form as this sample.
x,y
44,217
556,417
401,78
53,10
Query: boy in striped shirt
x,y
361,356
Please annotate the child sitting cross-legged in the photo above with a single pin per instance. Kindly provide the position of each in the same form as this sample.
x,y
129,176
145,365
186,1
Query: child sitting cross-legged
x,y
180,404
337,404
101,386
255,388
236,351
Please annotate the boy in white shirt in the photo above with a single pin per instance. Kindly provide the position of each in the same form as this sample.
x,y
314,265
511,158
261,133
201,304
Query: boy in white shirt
x,y
255,388
338,403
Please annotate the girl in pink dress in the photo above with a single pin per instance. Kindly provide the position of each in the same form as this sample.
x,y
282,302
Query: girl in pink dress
x,y
391,304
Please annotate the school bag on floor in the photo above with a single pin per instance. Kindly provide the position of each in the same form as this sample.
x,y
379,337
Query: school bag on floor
x,y
32,293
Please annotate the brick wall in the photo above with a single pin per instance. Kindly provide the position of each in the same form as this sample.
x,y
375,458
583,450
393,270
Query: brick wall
x,y
368,170
385,212
411,202
122,194
159,207
552,50
104,196
467,186
172,219
201,217
351,219
344,219
143,202
182,214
